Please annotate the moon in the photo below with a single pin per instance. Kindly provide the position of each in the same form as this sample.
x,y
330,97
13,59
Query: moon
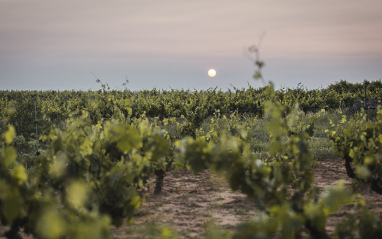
x,y
211,73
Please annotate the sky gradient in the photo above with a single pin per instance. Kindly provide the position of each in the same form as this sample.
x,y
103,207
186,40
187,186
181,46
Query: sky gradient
x,y
58,45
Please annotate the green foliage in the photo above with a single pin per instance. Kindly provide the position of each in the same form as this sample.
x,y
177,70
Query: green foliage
x,y
85,179
112,157
281,185
213,231
367,225
31,199
97,148
196,106
359,142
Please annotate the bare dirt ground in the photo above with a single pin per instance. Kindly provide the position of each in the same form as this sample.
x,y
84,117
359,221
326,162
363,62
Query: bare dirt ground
x,y
330,172
189,203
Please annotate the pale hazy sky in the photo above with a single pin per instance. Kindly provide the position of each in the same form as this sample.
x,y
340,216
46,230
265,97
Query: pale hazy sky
x,y
56,44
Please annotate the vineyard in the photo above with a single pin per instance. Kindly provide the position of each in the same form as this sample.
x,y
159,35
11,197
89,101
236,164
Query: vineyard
x,y
89,164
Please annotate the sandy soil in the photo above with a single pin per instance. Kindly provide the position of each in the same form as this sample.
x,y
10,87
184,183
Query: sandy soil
x,y
189,203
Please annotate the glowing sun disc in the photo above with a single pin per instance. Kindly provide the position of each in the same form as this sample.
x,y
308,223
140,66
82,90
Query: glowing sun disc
x,y
211,73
